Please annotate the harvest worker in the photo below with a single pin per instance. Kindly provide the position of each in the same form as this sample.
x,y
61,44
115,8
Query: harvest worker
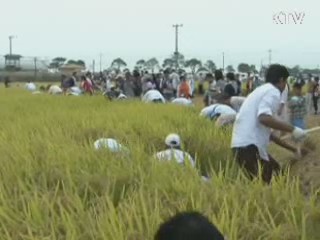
x,y
255,121
30,86
110,144
216,110
152,95
182,101
174,152
234,102
54,90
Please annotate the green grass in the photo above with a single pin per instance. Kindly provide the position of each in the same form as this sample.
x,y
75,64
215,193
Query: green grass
x,y
55,186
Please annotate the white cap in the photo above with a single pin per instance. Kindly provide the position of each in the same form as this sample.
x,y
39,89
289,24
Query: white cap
x,y
109,143
173,140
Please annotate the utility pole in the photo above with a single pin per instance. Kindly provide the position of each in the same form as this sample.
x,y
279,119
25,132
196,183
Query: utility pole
x,y
93,66
270,53
223,61
100,62
176,53
35,68
10,43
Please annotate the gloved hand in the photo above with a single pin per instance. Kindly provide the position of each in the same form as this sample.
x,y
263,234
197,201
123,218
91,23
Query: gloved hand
x,y
299,134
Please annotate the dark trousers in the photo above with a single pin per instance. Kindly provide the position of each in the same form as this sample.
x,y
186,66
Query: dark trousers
x,y
315,104
248,158
200,89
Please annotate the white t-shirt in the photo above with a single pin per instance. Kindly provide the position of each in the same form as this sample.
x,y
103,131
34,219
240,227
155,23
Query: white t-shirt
x,y
182,101
153,95
236,103
175,154
247,128
284,99
217,109
76,90
31,87
55,90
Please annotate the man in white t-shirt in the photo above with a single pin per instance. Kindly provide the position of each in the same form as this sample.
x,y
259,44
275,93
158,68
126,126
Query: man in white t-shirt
x,y
30,86
174,152
252,130
154,96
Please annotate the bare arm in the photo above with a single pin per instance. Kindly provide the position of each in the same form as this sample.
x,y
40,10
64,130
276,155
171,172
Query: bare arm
x,y
273,123
282,143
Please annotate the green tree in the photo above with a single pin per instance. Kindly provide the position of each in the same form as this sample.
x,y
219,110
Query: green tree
x,y
140,64
152,64
253,69
81,63
202,69
168,63
211,66
243,67
57,62
230,68
118,63
194,64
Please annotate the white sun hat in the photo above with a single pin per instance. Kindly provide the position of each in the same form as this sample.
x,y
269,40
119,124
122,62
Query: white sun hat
x,y
109,143
173,140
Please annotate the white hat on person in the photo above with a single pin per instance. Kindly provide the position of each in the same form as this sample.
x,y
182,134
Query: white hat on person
x,y
173,140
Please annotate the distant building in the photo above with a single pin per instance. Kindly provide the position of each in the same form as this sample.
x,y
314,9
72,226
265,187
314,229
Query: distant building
x,y
68,69
12,62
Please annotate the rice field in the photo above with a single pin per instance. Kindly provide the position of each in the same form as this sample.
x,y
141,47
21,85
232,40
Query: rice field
x,y
54,185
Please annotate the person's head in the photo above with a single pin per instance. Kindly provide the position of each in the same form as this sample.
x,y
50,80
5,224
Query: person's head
x,y
173,141
316,79
188,226
209,77
229,90
183,78
223,98
230,76
218,75
83,78
277,75
48,87
74,74
297,89
149,85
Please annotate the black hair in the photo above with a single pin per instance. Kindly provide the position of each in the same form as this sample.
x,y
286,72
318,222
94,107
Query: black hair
x,y
188,226
229,90
275,72
297,86
218,74
231,76
83,77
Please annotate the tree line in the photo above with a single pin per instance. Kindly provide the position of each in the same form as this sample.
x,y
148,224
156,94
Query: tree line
x,y
194,65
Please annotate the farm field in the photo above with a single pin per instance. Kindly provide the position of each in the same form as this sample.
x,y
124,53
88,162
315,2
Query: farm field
x,y
54,185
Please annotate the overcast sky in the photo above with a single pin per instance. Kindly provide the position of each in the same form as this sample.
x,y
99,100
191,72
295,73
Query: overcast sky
x,y
135,29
